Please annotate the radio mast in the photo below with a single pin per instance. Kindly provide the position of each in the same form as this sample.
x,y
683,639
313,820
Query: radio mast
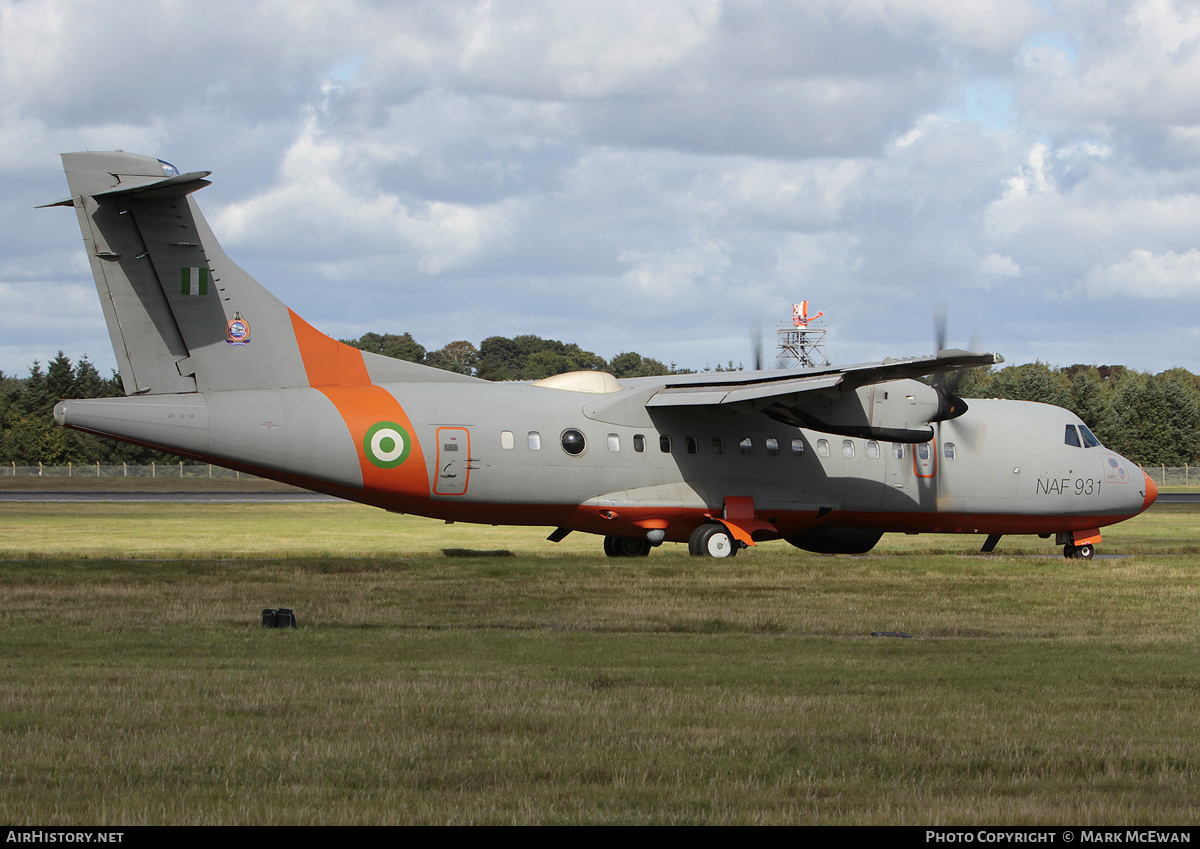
x,y
801,344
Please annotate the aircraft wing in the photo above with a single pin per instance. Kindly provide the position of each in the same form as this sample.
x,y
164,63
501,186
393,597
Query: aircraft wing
x,y
780,386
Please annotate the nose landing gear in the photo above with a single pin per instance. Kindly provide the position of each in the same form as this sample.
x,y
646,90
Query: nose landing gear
x,y
1079,544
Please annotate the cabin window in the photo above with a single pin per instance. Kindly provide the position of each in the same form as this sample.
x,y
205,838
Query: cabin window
x,y
873,449
772,446
1089,438
664,444
639,443
848,449
718,445
614,442
798,447
506,439
573,442
950,451
1072,437
923,450
691,444
823,447
898,450
535,440
746,446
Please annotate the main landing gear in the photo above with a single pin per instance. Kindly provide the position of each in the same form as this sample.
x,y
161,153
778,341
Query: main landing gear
x,y
626,546
712,541
1084,551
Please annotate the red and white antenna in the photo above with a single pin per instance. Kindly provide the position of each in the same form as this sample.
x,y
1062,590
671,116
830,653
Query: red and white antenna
x,y
800,314
802,343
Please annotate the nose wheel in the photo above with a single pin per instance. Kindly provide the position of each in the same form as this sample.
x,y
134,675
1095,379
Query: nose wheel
x,y
1083,552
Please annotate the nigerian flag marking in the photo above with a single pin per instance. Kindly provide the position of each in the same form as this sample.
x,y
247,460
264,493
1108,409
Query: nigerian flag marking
x,y
193,281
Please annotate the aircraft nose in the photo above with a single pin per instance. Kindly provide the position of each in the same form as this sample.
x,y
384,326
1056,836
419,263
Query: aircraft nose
x,y
1151,492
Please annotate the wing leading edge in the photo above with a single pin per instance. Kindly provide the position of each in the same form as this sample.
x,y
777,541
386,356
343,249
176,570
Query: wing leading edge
x,y
857,400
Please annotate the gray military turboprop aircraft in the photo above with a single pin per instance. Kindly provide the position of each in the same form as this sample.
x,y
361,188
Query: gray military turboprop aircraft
x,y
215,368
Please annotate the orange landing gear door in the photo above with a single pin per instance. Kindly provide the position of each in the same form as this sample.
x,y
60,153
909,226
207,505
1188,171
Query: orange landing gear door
x,y
453,461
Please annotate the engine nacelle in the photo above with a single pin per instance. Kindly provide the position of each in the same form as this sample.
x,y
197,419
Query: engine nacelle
x,y
896,411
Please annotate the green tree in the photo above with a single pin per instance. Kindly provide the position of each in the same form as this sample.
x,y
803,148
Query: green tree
x,y
1031,382
400,347
460,356
633,364
60,378
1089,396
530,357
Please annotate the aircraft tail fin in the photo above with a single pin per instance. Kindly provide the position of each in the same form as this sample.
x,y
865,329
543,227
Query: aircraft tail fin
x,y
181,315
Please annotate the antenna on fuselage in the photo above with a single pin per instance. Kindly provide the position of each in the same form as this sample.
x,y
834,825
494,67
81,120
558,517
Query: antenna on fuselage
x,y
801,344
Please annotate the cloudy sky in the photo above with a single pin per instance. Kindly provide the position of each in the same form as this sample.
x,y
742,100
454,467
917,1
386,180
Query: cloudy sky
x,y
653,176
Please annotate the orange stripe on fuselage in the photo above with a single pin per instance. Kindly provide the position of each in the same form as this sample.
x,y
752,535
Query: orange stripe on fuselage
x,y
338,371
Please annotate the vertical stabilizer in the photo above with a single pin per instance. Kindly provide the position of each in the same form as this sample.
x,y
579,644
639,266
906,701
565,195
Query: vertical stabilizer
x,y
182,316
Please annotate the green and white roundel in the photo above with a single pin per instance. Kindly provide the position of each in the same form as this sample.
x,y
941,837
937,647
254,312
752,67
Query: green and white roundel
x,y
387,445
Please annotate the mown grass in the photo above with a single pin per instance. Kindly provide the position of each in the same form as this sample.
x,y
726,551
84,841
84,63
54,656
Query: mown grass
x,y
554,685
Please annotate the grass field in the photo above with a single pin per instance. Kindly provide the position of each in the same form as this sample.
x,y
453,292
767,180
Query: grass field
x,y
457,674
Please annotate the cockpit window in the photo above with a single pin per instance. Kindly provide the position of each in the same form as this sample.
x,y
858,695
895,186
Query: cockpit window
x,y
1089,438
168,169
1072,437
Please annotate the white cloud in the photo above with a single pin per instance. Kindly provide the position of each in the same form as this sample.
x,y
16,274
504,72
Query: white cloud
x,y
682,274
995,265
1136,63
1148,275
323,200
548,160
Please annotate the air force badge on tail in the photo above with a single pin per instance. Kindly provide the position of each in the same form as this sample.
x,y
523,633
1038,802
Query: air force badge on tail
x,y
237,332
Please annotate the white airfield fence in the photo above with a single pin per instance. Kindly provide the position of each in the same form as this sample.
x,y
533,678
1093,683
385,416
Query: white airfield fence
x,y
124,470
1163,475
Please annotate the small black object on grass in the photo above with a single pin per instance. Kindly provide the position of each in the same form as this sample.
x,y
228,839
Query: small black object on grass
x,y
280,617
891,634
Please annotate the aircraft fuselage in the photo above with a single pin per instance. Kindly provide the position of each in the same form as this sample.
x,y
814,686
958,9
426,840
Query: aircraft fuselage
x,y
494,453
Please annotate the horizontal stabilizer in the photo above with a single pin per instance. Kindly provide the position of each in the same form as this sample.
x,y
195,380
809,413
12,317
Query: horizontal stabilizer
x,y
170,187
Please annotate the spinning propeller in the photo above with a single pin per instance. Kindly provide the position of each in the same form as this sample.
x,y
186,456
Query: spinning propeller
x,y
950,405
947,384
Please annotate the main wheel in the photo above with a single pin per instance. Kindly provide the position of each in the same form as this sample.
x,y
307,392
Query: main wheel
x,y
1068,551
626,546
1085,551
712,541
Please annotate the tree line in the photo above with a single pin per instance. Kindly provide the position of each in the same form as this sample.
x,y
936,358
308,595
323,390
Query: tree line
x,y
1150,418
525,357
1153,419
